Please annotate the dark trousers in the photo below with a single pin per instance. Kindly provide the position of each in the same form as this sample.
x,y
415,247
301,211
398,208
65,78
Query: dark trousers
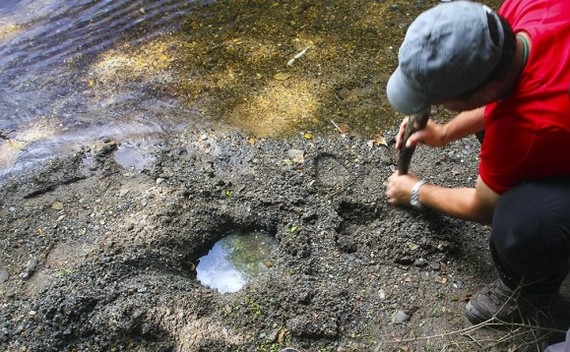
x,y
530,238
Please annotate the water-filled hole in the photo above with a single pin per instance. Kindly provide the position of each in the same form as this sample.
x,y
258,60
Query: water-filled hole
x,y
235,259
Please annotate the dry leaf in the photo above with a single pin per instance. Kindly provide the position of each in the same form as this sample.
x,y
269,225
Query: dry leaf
x,y
308,135
282,335
251,140
440,279
343,127
280,76
413,246
379,139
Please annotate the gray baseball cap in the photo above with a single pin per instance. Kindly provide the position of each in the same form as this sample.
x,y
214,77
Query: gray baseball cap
x,y
447,51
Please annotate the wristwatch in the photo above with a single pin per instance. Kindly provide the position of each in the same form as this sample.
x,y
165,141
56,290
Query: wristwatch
x,y
415,195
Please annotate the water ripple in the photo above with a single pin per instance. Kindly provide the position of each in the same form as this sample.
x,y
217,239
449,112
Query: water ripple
x,y
82,28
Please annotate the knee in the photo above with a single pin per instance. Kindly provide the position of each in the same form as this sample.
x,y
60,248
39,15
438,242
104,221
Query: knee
x,y
509,247
516,229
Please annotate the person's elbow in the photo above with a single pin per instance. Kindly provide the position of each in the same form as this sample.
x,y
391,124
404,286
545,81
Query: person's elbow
x,y
484,202
483,214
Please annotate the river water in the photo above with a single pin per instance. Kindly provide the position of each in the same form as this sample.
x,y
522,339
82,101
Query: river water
x,y
47,52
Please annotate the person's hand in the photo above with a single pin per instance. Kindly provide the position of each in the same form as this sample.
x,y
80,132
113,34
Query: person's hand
x,y
433,135
399,188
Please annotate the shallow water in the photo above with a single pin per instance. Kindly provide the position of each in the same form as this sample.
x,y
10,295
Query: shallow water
x,y
139,71
48,50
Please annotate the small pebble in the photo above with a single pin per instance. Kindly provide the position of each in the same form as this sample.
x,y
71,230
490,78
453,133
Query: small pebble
x,y
400,317
4,275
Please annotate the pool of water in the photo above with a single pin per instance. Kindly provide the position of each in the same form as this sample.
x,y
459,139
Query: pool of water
x,y
236,259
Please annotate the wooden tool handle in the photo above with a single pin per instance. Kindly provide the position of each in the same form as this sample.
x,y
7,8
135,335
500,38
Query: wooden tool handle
x,y
416,122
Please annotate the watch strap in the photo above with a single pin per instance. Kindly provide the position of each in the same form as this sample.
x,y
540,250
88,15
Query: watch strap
x,y
415,195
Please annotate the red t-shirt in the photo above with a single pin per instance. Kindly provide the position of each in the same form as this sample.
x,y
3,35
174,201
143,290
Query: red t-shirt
x,y
527,136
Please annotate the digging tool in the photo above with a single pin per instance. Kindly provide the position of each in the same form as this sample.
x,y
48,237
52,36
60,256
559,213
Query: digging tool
x,y
416,122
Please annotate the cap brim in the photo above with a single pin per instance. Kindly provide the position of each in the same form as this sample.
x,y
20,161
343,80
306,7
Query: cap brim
x,y
404,95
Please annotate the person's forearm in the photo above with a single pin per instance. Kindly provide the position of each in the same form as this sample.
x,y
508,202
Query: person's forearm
x,y
464,124
457,202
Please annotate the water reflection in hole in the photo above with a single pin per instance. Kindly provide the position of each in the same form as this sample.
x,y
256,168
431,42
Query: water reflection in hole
x,y
135,155
235,259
